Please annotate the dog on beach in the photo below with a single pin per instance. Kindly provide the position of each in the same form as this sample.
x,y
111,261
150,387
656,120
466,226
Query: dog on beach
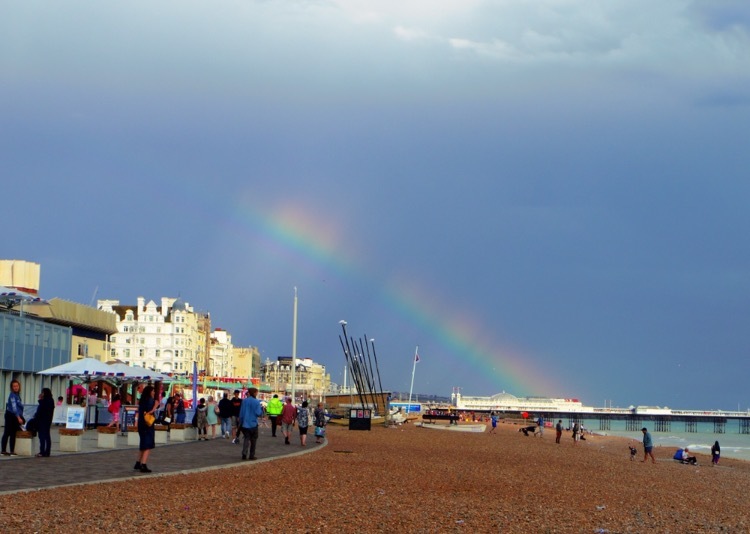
x,y
633,452
527,429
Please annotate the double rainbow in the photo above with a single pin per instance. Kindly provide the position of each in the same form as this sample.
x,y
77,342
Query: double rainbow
x,y
296,234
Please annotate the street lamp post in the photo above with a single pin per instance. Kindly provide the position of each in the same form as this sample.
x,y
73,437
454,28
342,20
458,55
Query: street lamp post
x,y
294,345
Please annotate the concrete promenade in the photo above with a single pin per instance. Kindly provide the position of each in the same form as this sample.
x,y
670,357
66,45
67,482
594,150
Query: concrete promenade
x,y
94,465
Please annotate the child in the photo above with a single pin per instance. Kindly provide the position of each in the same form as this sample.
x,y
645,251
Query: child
x,y
114,409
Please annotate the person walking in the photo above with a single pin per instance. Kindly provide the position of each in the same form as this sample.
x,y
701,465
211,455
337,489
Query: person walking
x,y
273,410
303,421
225,415
250,410
212,415
236,406
558,431
540,426
576,432
43,419
201,420
288,418
648,446
320,422
146,432
715,454
493,419
13,418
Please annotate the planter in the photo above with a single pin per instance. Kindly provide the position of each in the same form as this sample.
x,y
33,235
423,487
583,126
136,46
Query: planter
x,y
70,432
70,440
182,432
134,440
161,434
106,437
24,443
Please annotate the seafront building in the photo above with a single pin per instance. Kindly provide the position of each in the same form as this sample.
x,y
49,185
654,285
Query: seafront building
x,y
168,337
311,381
245,362
220,354
36,334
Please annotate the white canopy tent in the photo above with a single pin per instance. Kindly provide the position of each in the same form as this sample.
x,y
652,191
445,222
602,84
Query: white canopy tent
x,y
130,373
86,368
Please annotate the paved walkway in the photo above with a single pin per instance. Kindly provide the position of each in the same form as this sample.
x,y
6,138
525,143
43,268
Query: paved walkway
x,y
94,465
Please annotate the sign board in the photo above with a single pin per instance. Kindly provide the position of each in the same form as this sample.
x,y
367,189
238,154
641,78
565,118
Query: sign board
x,y
129,415
360,419
75,417
58,416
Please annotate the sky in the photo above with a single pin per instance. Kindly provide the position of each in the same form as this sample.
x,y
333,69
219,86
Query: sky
x,y
548,198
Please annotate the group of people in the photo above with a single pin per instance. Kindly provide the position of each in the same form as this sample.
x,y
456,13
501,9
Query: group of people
x,y
237,417
576,430
684,456
40,423
287,416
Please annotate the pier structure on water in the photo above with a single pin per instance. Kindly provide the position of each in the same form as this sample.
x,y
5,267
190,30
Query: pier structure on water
x,y
658,419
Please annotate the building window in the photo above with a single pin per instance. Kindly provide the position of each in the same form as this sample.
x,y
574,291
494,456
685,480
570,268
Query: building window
x,y
158,353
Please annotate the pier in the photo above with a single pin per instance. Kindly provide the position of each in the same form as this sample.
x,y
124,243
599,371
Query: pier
x,y
673,421
656,418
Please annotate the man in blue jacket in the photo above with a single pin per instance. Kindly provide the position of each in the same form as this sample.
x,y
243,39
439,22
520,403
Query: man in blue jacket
x,y
648,446
248,422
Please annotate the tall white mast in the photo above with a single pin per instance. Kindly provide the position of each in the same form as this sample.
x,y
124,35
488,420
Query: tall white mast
x,y
414,368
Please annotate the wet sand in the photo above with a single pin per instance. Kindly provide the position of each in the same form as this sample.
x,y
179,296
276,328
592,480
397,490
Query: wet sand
x,y
410,479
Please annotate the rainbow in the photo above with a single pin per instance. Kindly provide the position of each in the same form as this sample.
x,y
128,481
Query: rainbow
x,y
293,232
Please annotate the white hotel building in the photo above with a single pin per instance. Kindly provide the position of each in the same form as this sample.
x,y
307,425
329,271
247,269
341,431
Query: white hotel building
x,y
168,337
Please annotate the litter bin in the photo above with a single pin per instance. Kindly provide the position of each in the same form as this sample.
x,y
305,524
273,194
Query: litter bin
x,y
360,419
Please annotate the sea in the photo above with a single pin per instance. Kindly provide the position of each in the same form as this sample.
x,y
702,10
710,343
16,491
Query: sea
x,y
732,443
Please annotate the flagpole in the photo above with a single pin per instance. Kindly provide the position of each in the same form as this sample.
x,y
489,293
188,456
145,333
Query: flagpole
x,y
414,368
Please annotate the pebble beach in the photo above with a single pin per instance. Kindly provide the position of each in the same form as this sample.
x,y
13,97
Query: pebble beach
x,y
412,479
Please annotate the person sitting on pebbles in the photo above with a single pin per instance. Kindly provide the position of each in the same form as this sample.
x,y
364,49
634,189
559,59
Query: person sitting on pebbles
x,y
688,458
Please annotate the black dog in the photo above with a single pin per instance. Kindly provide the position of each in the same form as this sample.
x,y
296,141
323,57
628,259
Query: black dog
x,y
527,429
